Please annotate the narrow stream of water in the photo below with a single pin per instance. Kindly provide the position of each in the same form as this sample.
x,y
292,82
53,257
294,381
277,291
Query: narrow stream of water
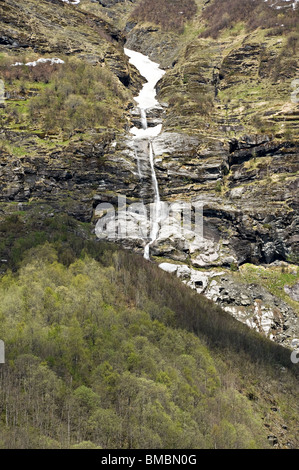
x,y
146,100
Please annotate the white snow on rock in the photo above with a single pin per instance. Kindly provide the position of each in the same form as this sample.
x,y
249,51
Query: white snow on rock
x,y
73,2
168,267
287,4
147,97
151,72
39,61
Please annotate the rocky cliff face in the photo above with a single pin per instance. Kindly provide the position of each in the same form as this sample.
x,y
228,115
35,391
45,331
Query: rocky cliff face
x,y
46,165
229,142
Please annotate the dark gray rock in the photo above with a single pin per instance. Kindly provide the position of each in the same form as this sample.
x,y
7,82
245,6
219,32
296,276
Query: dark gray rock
x,y
293,291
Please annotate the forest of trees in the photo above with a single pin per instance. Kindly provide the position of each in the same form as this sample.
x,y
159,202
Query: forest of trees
x,y
99,354
85,365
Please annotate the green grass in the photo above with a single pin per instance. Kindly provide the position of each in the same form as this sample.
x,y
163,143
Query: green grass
x,y
235,30
274,279
17,151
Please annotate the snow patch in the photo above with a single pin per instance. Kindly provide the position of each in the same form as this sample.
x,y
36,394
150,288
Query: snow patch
x,y
288,4
73,2
147,97
39,61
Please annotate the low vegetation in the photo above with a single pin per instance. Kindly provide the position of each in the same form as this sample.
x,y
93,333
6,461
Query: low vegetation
x,y
223,14
63,97
171,15
274,279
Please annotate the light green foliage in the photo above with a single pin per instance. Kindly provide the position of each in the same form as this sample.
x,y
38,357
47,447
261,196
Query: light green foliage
x,y
110,340
86,371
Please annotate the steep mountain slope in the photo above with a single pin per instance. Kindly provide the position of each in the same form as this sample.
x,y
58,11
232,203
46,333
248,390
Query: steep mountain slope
x,y
104,350
229,141
57,119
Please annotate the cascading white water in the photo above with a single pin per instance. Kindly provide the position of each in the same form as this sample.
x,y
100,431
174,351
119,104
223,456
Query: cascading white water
x,y
147,99
138,164
143,118
156,212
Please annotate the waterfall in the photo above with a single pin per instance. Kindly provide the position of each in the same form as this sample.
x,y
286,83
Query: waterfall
x,y
138,164
156,212
147,99
143,118
154,176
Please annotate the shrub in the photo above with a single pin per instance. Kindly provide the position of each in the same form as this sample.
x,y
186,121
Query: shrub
x,y
42,72
222,14
293,43
80,96
169,14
